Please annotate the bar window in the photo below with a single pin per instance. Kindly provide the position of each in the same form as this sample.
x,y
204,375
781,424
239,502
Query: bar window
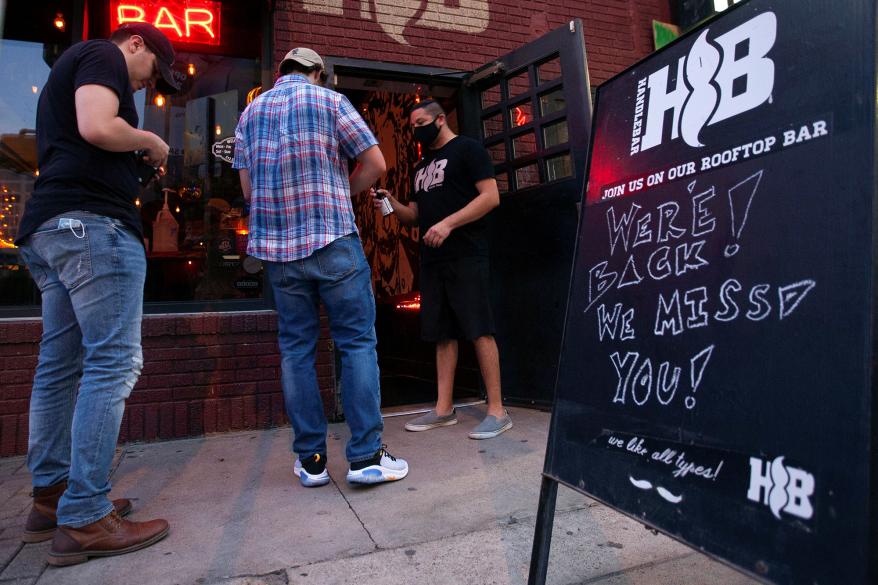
x,y
194,218
24,69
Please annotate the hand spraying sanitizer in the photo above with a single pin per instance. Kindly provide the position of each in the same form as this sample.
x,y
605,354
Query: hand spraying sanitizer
x,y
165,228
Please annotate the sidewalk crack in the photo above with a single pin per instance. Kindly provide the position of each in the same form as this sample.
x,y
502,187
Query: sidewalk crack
x,y
11,558
357,516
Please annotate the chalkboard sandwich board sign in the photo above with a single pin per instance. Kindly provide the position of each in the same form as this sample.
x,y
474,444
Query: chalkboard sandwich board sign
x,y
716,377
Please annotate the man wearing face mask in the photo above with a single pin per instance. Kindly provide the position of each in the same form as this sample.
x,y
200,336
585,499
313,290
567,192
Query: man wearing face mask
x,y
454,189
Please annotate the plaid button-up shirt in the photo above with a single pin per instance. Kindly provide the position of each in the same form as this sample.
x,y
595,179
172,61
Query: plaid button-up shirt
x,y
294,140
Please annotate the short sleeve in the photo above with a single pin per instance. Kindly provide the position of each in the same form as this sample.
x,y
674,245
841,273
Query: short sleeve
x,y
354,135
101,63
242,147
479,162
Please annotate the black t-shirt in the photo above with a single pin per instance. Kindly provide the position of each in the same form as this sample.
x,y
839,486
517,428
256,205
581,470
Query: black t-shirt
x,y
75,175
445,182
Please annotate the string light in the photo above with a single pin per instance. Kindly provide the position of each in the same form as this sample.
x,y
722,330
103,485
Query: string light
x,y
251,95
191,69
160,100
59,22
6,214
413,304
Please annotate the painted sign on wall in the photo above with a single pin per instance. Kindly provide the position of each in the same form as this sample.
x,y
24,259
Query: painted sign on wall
x,y
394,16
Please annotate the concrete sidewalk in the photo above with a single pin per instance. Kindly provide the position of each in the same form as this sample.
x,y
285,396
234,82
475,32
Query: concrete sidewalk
x,y
464,515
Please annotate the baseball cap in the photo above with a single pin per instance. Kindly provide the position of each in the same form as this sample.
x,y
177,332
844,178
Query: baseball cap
x,y
304,56
159,44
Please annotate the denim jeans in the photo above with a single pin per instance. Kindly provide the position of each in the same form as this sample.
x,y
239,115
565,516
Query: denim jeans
x,y
90,270
339,275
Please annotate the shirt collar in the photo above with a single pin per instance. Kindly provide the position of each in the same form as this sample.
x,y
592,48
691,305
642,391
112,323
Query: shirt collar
x,y
290,79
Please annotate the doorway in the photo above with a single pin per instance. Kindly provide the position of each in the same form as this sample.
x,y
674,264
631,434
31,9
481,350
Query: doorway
x,y
531,108
384,98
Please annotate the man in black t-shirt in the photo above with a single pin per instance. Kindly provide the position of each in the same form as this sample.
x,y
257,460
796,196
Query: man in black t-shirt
x,y
80,236
454,189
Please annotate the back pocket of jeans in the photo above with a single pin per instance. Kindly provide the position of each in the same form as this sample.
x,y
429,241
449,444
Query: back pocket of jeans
x,y
337,259
67,251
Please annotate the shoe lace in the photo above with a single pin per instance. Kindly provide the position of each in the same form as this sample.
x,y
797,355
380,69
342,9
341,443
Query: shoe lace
x,y
383,452
114,521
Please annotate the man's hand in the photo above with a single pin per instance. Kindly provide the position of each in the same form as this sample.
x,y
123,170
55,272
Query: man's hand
x,y
376,199
437,234
156,154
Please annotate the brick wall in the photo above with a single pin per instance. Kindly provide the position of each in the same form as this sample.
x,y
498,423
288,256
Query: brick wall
x,y
464,34
203,373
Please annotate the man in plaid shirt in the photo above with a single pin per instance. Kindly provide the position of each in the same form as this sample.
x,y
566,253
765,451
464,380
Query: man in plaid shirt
x,y
292,146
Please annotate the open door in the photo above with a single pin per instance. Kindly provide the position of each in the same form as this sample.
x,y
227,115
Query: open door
x,y
531,109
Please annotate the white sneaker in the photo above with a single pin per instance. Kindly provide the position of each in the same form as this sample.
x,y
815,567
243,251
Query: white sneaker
x,y
380,468
317,476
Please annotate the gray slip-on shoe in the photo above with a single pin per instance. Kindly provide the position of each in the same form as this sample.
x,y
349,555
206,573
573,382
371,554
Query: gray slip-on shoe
x,y
431,420
491,426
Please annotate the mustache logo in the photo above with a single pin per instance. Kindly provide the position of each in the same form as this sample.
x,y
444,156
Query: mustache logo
x,y
466,16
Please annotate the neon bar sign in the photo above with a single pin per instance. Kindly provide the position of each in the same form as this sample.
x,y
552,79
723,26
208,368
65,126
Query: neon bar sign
x,y
183,21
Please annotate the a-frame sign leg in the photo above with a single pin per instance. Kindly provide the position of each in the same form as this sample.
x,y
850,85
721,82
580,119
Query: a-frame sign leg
x,y
539,558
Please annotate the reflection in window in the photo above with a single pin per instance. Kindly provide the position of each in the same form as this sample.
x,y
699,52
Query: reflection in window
x,y
524,145
497,152
552,102
555,134
527,176
493,125
194,218
491,96
559,167
502,182
196,242
549,70
520,114
518,84
23,74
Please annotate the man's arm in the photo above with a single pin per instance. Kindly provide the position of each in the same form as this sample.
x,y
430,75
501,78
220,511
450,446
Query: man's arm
x,y
99,124
370,166
406,214
244,175
487,199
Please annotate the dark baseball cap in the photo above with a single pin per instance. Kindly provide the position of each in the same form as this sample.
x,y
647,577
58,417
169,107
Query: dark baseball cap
x,y
159,44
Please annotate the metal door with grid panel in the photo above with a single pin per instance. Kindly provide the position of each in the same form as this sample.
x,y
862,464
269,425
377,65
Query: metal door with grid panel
x,y
532,110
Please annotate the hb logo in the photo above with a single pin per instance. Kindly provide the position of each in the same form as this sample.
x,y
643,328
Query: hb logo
x,y
431,176
714,82
781,488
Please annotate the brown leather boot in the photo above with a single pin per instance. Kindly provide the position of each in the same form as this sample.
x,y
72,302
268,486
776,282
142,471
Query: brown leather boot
x,y
109,536
42,520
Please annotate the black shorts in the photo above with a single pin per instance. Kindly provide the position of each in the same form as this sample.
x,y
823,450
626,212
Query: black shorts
x,y
456,300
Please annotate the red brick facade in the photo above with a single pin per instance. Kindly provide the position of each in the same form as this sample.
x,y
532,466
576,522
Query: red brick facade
x,y
202,374
617,32
219,372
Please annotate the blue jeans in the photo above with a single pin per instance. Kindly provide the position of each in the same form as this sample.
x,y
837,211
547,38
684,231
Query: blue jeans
x,y
339,275
90,270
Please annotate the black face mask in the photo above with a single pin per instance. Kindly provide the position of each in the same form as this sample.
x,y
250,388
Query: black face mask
x,y
426,135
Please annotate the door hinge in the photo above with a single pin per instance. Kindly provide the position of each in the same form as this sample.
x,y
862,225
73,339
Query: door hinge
x,y
490,70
